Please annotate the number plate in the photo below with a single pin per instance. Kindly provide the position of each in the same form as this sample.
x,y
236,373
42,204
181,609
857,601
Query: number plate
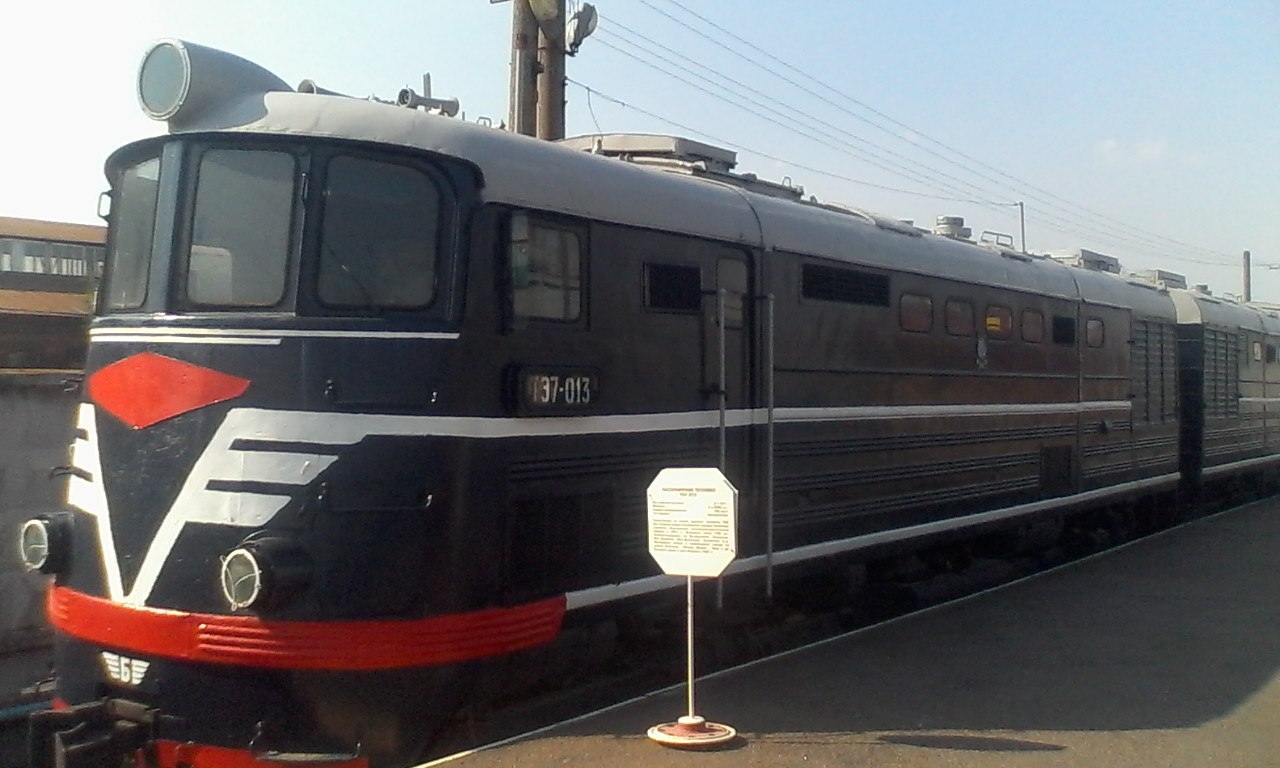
x,y
556,389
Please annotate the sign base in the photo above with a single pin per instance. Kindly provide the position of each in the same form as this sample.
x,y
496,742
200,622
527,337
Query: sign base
x,y
692,732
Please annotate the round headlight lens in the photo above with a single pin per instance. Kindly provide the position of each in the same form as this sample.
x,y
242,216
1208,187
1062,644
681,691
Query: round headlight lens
x,y
241,579
35,543
164,79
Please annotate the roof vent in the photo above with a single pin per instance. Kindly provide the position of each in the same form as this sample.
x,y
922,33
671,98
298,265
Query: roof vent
x,y
952,227
683,156
1163,278
871,217
1090,260
635,146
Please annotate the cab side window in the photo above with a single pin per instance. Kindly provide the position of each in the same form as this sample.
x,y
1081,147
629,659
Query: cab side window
x,y
546,271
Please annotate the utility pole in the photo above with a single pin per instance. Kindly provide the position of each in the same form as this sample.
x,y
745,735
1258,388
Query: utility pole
x,y
537,68
1022,221
551,75
1248,278
523,101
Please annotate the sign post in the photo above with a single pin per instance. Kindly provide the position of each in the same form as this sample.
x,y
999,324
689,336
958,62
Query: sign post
x,y
693,531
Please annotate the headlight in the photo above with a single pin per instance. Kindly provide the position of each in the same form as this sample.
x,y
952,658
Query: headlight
x,y
180,81
263,573
241,579
44,543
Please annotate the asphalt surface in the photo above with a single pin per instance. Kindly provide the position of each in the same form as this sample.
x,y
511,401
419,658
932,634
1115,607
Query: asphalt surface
x,y
1162,653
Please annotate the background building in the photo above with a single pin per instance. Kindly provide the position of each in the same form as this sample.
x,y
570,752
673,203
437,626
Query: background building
x,y
48,271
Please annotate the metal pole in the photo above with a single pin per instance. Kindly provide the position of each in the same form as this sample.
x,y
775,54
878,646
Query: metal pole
x,y
523,100
768,438
551,77
724,389
1022,221
721,295
688,587
1248,278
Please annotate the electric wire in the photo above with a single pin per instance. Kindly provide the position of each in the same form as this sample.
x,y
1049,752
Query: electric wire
x,y
820,171
816,134
948,158
743,148
1053,222
1042,196
1070,225
747,92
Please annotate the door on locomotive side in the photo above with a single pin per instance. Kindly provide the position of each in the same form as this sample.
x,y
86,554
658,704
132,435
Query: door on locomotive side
x,y
1106,434
727,343
728,298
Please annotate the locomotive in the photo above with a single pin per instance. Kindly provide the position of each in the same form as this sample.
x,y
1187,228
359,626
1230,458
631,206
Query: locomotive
x,y
373,396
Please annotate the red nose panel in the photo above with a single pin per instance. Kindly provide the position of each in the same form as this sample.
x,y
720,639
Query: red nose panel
x,y
148,388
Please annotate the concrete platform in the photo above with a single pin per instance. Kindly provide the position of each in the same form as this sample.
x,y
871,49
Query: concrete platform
x,y
1164,653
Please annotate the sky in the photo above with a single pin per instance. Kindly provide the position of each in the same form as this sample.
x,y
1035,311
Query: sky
x,y
1146,131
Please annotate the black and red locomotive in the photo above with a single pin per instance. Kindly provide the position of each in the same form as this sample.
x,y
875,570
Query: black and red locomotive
x,y
373,397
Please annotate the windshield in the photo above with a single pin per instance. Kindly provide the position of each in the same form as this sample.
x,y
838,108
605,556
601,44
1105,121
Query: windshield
x,y
308,227
240,231
129,259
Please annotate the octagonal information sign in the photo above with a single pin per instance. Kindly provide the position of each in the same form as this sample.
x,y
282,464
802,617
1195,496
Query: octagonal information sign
x,y
693,521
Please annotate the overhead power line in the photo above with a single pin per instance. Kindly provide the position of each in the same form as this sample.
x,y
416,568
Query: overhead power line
x,y
887,159
743,148
719,140
1048,200
767,110
1065,222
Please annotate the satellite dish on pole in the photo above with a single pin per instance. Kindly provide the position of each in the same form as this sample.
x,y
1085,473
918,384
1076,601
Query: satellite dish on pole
x,y
580,26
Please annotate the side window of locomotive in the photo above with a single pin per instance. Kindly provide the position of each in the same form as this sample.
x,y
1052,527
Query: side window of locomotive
x,y
134,210
959,318
1064,330
999,322
1095,334
240,232
673,288
915,313
380,237
1032,326
546,271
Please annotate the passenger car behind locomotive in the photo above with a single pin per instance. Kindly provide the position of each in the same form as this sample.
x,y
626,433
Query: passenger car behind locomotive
x,y
373,397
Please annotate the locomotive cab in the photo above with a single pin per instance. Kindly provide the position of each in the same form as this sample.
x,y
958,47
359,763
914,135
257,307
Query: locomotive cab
x,y
269,301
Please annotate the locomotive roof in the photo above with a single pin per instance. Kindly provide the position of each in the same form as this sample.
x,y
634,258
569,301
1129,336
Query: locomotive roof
x,y
533,173
1194,308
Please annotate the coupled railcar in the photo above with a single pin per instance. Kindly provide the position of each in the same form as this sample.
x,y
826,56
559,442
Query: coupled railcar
x,y
373,397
